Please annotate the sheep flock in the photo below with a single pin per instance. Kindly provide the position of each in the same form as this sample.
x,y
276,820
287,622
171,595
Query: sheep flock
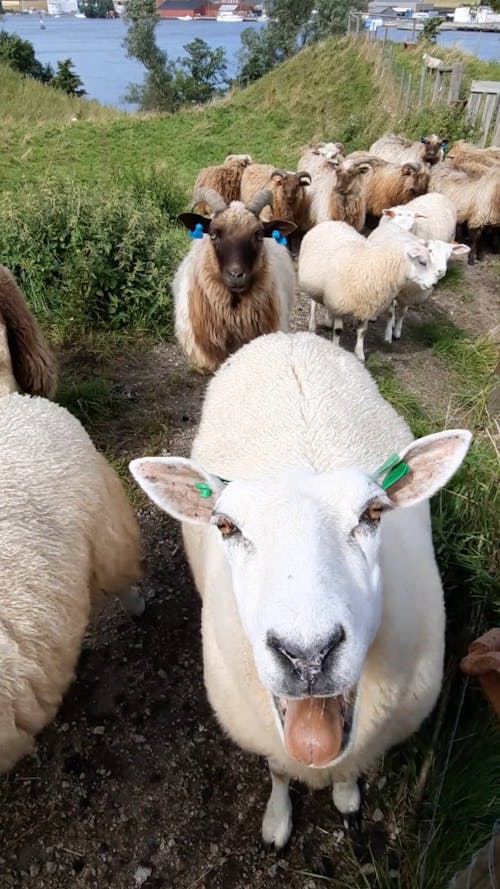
x,y
282,493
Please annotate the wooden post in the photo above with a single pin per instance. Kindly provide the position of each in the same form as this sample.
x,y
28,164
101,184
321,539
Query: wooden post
x,y
489,108
421,88
455,83
437,85
408,91
357,25
496,134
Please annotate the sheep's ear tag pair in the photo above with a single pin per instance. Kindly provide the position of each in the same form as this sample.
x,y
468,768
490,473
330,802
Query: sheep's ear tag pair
x,y
394,469
197,232
278,237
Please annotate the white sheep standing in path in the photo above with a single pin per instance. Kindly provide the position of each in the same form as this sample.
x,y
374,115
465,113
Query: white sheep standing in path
x,y
67,535
323,616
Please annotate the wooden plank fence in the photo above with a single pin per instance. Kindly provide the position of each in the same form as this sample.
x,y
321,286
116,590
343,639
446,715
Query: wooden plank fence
x,y
483,106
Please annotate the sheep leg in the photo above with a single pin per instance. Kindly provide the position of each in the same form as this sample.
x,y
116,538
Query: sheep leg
x,y
132,601
347,800
312,316
277,821
474,235
399,323
358,349
338,326
328,319
391,320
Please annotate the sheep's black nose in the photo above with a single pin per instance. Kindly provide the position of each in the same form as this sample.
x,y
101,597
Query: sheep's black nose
x,y
237,274
306,664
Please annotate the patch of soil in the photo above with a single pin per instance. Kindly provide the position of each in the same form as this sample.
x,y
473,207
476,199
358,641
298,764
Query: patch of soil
x,y
135,784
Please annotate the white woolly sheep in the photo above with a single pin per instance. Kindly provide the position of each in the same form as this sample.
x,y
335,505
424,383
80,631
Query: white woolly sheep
x,y
67,535
235,283
322,162
476,197
26,362
224,178
391,231
313,658
431,216
289,191
399,149
339,269
431,62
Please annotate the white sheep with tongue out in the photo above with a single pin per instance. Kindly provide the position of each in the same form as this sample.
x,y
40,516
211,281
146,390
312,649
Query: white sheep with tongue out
x,y
323,618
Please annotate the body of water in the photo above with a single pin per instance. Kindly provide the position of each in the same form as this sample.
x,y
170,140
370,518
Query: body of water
x,y
96,47
483,44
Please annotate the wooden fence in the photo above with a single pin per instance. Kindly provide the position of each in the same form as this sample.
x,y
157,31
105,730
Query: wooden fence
x,y
433,86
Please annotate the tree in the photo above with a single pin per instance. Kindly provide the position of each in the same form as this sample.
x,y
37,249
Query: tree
x,y
277,42
331,18
96,9
200,74
429,32
157,92
20,55
66,79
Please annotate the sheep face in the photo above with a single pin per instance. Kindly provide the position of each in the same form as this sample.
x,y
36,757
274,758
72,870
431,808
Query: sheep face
x,y
415,179
432,148
291,185
401,215
303,552
420,271
237,236
441,251
347,176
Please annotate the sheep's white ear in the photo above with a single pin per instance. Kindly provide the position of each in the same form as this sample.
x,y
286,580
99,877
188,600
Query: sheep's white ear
x,y
432,461
459,249
413,250
389,212
178,486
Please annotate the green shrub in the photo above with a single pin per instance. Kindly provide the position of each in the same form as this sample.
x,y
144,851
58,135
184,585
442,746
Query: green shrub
x,y
92,259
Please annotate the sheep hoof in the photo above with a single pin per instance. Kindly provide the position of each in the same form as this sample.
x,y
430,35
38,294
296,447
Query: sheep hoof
x,y
277,823
133,602
347,799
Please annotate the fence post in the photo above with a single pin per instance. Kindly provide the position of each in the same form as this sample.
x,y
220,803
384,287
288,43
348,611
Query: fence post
x,y
489,108
437,85
408,92
455,83
421,88
357,25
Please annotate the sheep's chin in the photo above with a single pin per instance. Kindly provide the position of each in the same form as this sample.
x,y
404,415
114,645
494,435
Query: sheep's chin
x,y
345,707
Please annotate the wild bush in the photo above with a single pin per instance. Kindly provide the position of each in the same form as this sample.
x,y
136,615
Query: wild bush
x,y
90,260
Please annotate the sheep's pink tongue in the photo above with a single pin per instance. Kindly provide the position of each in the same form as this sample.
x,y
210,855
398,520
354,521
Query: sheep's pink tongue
x,y
313,730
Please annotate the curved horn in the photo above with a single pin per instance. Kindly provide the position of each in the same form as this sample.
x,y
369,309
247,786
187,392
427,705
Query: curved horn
x,y
278,172
303,174
262,198
211,197
409,165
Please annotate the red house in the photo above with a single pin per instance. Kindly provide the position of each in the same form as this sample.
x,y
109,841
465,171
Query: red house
x,y
172,9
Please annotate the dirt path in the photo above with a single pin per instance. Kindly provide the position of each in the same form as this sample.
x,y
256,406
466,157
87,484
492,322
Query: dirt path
x,y
135,784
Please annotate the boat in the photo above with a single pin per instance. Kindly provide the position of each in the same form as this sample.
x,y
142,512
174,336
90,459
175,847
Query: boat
x,y
184,18
227,13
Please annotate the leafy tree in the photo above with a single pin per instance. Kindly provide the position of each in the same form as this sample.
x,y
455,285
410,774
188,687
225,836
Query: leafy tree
x,y
331,18
278,41
429,32
201,74
96,9
157,92
66,79
20,55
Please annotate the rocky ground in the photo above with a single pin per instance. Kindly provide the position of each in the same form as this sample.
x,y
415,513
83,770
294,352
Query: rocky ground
x,y
135,783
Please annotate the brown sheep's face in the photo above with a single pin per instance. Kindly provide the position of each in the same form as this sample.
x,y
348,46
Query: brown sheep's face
x,y
346,176
237,237
433,149
291,185
417,181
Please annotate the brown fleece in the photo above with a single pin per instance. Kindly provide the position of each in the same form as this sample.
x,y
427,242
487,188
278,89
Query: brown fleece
x,y
33,363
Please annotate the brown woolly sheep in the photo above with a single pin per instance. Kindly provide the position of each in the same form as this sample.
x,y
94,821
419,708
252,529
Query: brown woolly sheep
x,y
289,191
321,162
398,149
235,283
224,178
476,197
348,196
464,156
26,362
387,185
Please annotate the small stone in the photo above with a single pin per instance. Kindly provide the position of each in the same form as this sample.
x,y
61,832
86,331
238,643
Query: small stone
x,y
51,867
378,815
139,739
65,727
98,730
367,869
34,870
162,674
394,874
273,870
382,782
214,849
142,874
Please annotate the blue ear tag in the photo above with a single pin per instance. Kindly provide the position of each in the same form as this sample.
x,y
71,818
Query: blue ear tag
x,y
197,231
394,469
279,238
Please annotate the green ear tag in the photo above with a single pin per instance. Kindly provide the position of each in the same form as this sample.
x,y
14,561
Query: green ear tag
x,y
204,489
400,470
390,463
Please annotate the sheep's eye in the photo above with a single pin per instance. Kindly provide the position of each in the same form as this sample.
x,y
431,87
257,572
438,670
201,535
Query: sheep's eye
x,y
214,236
226,527
372,514
422,260
259,236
